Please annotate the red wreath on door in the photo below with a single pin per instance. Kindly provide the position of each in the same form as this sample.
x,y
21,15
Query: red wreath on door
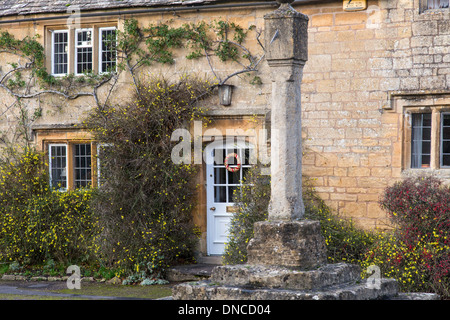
x,y
238,162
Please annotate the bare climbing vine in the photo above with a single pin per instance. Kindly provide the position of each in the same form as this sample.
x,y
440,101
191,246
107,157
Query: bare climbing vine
x,y
27,78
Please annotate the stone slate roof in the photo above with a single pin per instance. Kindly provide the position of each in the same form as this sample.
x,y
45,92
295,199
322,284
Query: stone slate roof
x,y
25,7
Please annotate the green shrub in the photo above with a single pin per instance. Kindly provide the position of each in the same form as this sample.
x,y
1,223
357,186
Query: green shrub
x,y
252,200
38,224
344,241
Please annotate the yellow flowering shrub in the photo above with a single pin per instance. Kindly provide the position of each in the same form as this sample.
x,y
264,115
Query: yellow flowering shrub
x,y
345,241
37,223
146,200
417,253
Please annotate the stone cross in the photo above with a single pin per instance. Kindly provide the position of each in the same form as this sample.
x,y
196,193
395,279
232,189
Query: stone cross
x,y
286,37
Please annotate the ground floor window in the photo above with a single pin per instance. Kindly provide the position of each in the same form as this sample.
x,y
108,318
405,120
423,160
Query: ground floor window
x,y
58,166
437,4
445,140
83,165
70,165
421,140
430,140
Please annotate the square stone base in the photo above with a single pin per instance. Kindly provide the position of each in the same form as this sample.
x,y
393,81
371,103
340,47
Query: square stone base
x,y
297,244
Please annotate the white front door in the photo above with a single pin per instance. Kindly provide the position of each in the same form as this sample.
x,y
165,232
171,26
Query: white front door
x,y
220,185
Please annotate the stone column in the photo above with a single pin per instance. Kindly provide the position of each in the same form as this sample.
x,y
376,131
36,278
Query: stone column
x,y
286,239
286,37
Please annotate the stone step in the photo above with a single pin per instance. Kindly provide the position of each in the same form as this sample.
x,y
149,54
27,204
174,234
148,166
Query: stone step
x,y
208,290
192,272
274,277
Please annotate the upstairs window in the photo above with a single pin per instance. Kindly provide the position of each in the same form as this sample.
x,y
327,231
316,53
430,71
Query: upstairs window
x,y
76,51
60,48
107,50
83,51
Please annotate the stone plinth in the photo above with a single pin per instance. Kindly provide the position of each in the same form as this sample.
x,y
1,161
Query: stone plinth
x,y
287,243
274,277
207,290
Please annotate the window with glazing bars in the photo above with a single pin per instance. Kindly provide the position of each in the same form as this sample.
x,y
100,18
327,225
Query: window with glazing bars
x,y
226,182
83,51
108,49
59,50
421,140
58,166
437,4
445,140
82,166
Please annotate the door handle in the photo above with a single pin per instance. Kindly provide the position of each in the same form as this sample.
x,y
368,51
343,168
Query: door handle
x,y
212,208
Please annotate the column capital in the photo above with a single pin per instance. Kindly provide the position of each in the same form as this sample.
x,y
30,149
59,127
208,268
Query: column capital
x,y
286,36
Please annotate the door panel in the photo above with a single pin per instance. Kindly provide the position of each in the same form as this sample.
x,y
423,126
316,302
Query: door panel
x,y
220,186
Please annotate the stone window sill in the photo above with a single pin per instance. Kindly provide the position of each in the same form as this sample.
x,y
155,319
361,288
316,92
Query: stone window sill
x,y
443,173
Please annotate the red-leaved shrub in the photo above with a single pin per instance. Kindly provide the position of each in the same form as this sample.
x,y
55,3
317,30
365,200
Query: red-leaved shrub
x,y
420,208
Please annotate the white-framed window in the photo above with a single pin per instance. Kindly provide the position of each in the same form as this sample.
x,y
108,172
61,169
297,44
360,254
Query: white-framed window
x,y
60,43
77,51
102,149
437,4
58,166
430,129
70,165
421,140
83,165
107,49
445,140
83,50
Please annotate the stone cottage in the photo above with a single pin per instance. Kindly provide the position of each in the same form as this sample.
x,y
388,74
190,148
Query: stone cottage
x,y
375,94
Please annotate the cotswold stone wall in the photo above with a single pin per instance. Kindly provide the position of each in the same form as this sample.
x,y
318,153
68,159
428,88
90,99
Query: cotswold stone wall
x,y
364,70
354,131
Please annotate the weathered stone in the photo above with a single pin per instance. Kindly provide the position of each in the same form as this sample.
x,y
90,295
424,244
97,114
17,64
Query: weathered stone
x,y
416,296
87,279
287,243
205,291
115,280
286,53
9,277
53,279
258,276
189,273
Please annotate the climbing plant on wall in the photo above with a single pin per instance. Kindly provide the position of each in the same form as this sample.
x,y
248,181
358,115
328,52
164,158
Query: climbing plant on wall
x,y
144,205
138,47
